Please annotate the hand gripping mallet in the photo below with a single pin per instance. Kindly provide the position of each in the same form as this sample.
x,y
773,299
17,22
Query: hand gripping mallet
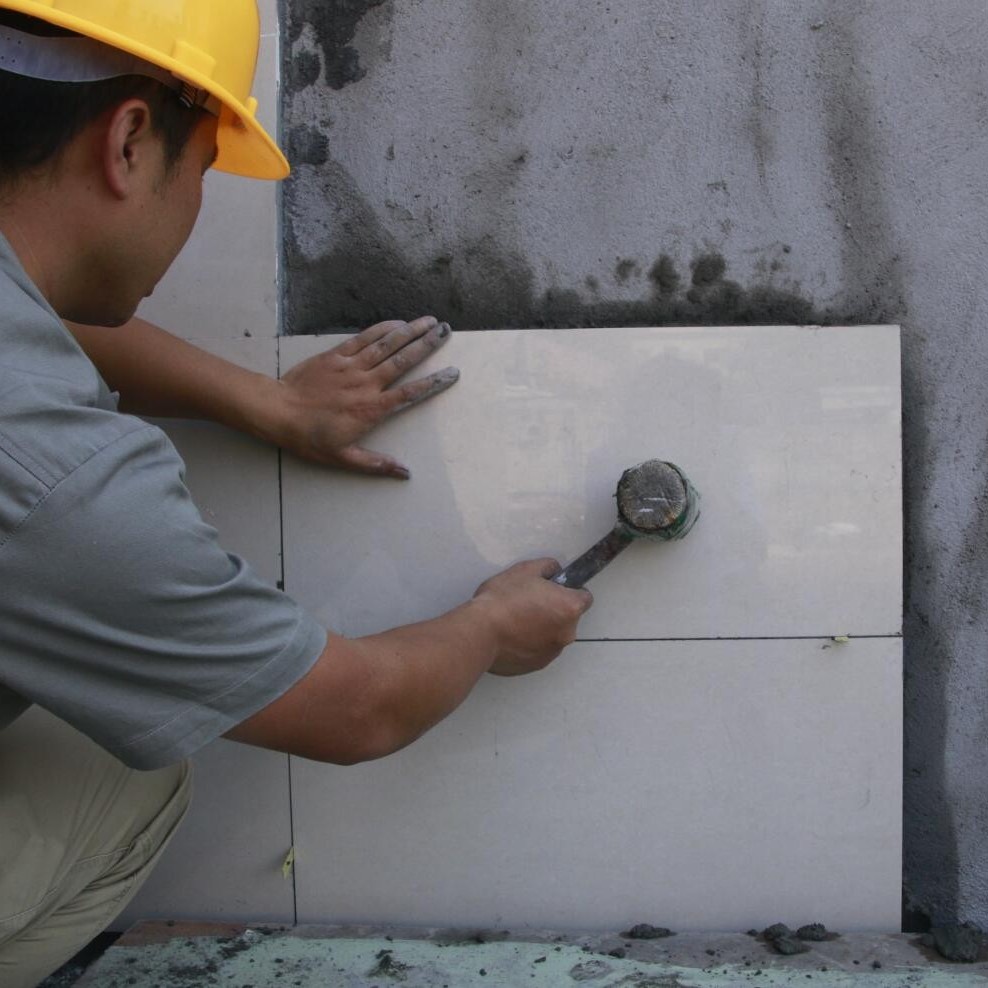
x,y
655,501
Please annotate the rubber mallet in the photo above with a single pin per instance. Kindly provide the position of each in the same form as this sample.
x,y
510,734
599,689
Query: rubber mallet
x,y
655,501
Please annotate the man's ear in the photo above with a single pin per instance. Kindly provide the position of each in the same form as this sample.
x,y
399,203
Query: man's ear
x,y
129,147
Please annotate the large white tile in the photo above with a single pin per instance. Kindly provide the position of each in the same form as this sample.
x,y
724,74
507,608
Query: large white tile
x,y
225,861
268,10
792,436
222,286
699,785
266,78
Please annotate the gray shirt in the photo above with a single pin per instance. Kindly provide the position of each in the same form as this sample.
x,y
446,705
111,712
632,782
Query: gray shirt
x,y
119,610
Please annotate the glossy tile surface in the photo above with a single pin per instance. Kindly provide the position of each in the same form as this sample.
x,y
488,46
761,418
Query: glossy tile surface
x,y
791,434
225,860
700,785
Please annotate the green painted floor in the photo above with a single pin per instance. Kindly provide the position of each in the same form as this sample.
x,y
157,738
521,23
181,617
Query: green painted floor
x,y
181,955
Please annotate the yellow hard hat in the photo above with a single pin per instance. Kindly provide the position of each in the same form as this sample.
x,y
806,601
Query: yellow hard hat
x,y
209,44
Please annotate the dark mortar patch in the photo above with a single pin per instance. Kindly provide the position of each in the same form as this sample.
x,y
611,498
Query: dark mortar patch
x,y
307,146
302,71
625,268
334,23
645,931
192,975
231,946
784,941
816,932
479,286
461,938
590,971
708,269
664,276
387,966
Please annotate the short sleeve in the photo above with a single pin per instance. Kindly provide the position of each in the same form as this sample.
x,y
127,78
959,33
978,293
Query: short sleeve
x,y
122,614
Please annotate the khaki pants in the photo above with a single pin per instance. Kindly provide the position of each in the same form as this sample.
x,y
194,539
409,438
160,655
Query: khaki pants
x,y
79,833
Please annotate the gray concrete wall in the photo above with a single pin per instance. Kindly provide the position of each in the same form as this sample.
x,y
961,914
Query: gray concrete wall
x,y
538,162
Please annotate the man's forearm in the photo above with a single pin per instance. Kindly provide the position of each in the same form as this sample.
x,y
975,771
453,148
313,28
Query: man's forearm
x,y
367,697
157,373
320,409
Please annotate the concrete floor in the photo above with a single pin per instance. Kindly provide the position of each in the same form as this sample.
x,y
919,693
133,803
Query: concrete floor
x,y
184,955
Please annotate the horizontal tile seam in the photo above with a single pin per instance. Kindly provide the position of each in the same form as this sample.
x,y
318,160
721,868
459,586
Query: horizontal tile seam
x,y
894,636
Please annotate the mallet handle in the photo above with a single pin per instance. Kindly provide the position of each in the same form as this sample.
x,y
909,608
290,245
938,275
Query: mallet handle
x,y
595,558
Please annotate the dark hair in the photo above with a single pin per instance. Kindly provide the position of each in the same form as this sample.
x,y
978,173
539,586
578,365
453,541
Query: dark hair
x,y
39,118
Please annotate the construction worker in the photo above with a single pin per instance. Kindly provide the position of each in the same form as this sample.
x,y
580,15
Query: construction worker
x,y
129,632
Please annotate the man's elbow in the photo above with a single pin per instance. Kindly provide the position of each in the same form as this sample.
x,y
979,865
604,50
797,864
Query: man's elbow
x,y
344,711
357,738
371,737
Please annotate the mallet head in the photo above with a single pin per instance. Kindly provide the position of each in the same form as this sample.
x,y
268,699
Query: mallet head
x,y
656,501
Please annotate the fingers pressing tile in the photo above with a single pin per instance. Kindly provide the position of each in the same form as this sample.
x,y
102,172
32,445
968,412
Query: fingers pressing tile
x,y
439,335
424,388
444,379
423,324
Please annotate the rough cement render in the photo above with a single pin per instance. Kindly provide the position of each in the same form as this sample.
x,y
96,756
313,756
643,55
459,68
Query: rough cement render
x,y
614,163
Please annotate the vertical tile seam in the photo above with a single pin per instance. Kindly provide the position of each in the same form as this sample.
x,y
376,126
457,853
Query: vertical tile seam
x,y
278,317
281,583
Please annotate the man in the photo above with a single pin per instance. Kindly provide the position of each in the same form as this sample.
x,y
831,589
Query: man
x,y
119,613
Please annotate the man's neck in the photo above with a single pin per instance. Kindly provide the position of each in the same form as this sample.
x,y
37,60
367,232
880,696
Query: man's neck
x,y
22,243
40,224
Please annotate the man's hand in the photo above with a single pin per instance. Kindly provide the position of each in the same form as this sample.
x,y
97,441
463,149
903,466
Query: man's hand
x,y
319,411
331,401
535,619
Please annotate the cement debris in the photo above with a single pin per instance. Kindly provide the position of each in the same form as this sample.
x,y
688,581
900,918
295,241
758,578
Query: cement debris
x,y
645,931
201,956
784,941
816,932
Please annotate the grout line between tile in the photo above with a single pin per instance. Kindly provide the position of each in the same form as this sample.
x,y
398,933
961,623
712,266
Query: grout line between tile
x,y
281,584
737,638
291,838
